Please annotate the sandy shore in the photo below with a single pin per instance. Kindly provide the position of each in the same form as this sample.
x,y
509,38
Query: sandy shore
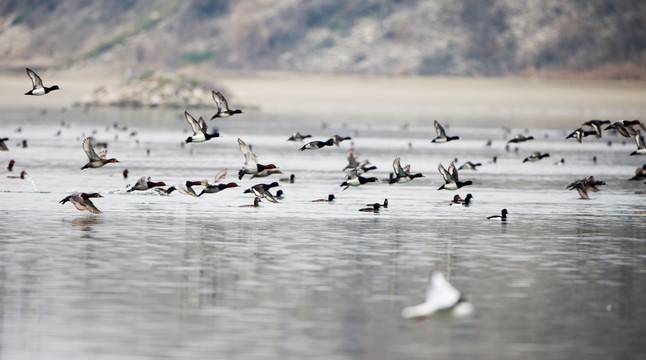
x,y
379,99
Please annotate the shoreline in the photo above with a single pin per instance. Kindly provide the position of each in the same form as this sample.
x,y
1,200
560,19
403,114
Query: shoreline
x,y
397,100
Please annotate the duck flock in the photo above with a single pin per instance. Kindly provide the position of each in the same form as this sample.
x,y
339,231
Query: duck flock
x,y
440,295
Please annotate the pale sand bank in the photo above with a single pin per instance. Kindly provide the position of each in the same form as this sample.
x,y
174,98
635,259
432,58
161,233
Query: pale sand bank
x,y
382,100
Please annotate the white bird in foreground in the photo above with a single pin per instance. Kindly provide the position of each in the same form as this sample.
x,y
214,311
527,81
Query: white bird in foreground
x,y
440,296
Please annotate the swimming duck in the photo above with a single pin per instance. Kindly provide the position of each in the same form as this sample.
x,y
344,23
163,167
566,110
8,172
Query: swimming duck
x,y
199,130
37,84
22,175
457,200
469,166
502,216
451,180
125,173
144,184
596,126
223,106
279,195
519,138
640,173
82,201
298,137
641,148
441,296
384,205
256,203
290,179
579,134
95,161
402,176
330,198
251,165
10,166
3,146
315,145
441,134
338,139
535,156
373,208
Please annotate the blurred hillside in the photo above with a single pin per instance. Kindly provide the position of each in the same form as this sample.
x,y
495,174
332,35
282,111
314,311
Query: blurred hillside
x,y
577,38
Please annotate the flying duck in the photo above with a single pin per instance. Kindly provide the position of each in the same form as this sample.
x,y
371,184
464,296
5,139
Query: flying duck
x,y
3,146
596,126
441,296
502,216
199,130
215,188
330,198
584,185
37,84
298,137
451,180
353,162
641,148
223,106
251,165
469,166
579,134
519,138
95,161
338,139
401,175
315,145
354,179
82,201
441,134
535,156
266,173
262,191
144,184
625,127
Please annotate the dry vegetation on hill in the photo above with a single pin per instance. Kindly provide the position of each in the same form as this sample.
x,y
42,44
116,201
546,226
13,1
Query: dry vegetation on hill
x,y
577,38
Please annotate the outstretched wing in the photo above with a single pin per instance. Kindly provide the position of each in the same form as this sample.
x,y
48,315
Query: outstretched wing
x,y
202,125
439,130
194,124
249,157
454,172
445,174
398,168
35,79
90,207
103,153
220,176
89,151
222,102
441,294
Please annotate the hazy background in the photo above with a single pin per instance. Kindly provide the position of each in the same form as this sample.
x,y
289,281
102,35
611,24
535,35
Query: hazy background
x,y
602,39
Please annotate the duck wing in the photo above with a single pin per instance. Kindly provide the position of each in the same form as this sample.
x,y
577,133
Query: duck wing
x,y
90,207
454,172
249,157
35,79
194,124
220,176
89,151
639,140
439,130
399,172
441,294
103,153
202,125
445,174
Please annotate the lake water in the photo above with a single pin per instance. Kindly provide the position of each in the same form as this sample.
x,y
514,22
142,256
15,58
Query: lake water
x,y
195,278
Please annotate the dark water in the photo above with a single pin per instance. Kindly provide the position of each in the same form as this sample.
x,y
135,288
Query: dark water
x,y
181,277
